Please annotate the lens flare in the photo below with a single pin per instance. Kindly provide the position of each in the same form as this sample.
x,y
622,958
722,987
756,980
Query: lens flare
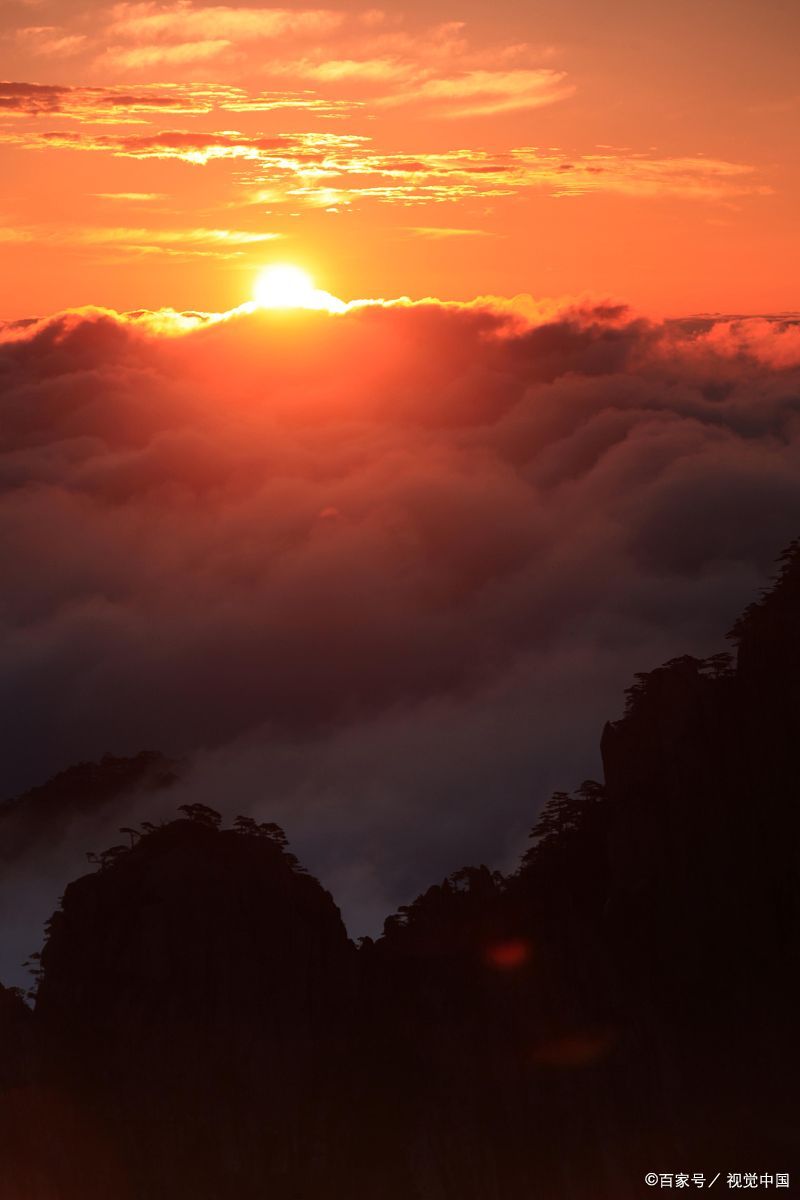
x,y
508,955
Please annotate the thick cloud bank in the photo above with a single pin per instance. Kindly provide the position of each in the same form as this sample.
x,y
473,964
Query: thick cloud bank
x,y
380,575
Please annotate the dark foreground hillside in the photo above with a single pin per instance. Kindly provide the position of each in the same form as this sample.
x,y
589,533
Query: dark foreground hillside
x,y
626,1002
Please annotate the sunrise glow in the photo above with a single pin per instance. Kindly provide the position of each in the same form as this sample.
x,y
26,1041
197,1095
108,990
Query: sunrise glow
x,y
399,403
286,286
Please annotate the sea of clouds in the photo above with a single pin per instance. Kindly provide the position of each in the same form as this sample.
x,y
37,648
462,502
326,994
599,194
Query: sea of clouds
x,y
379,576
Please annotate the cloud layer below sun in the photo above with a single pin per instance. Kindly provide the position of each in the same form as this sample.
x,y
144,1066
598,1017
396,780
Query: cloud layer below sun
x,y
388,606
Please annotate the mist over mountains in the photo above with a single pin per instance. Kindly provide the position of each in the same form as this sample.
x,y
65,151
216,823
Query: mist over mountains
x,y
203,1025
358,602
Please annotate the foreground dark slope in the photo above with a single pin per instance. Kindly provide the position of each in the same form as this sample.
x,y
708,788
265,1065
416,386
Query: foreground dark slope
x,y
626,1002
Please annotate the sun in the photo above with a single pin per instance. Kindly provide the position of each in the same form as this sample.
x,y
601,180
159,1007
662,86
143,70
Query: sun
x,y
285,286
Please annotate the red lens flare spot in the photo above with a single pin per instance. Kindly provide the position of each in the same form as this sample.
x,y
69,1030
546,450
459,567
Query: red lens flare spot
x,y
581,1048
508,955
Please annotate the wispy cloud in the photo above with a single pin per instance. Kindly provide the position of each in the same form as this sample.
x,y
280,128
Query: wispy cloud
x,y
436,67
182,21
183,243
638,174
148,34
290,153
52,41
444,233
138,57
125,105
440,72
131,197
336,169
485,93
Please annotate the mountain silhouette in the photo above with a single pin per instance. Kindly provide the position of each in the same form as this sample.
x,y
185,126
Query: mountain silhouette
x,y
625,1002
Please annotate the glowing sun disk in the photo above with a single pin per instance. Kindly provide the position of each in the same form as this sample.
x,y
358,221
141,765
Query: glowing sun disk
x,y
290,287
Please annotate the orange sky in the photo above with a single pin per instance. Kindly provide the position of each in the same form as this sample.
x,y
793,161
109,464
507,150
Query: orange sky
x,y
158,154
